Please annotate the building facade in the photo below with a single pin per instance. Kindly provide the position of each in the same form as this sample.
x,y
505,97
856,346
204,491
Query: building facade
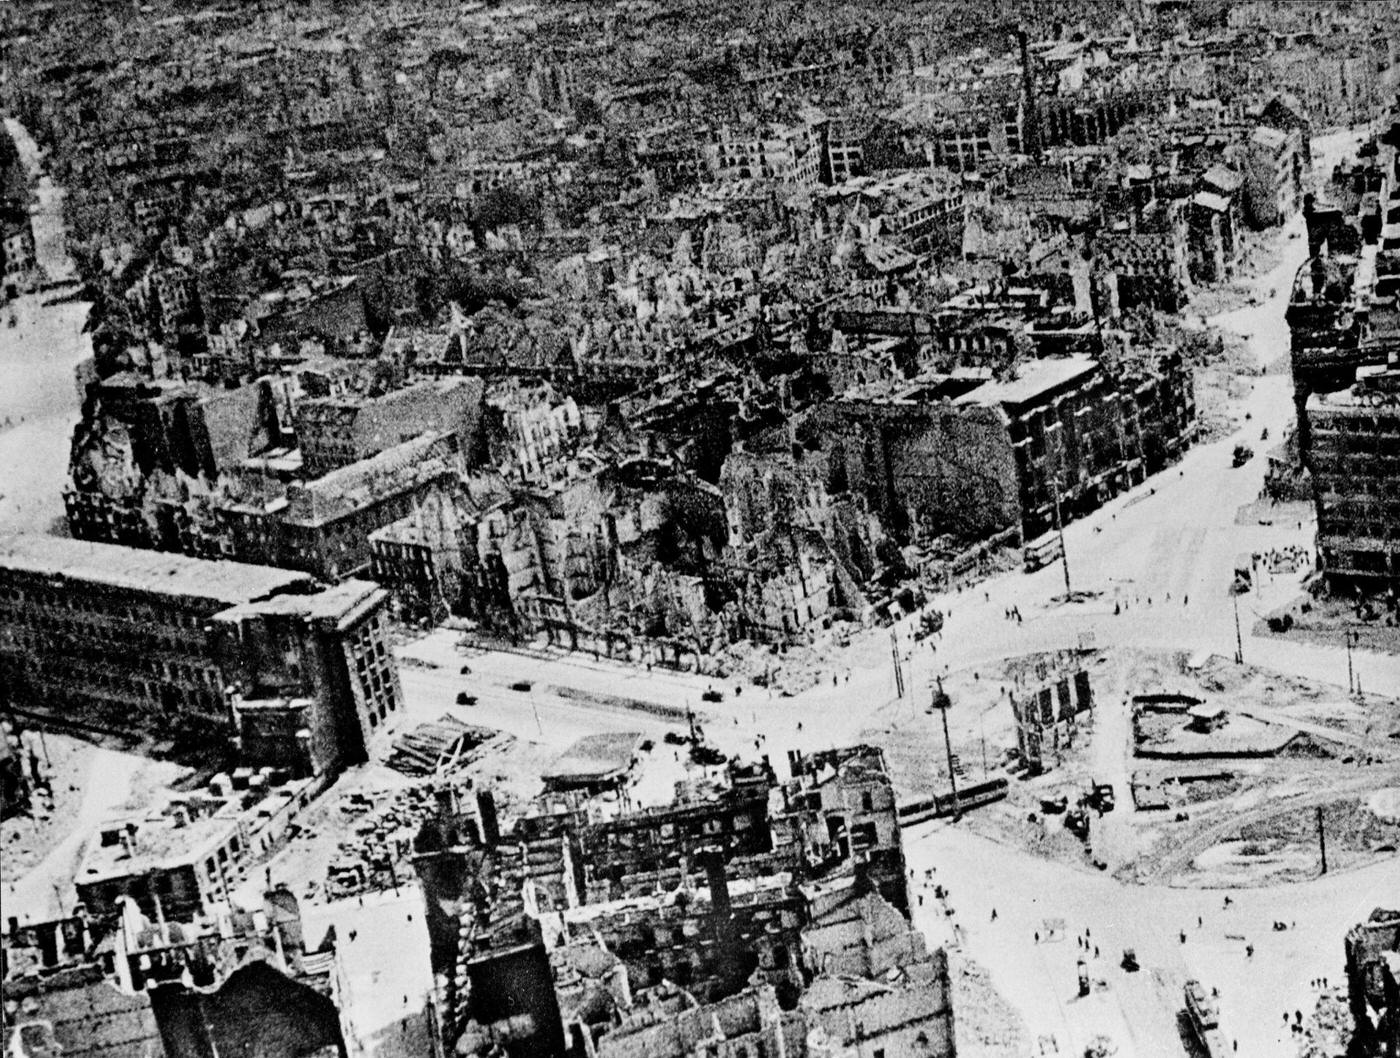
x,y
116,638
1355,462
311,678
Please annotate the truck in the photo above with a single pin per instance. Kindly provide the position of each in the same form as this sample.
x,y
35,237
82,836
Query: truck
x,y
1100,797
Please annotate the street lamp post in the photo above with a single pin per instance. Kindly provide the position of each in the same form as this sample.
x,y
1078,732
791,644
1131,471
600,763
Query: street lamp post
x,y
1060,531
942,702
1351,638
1239,640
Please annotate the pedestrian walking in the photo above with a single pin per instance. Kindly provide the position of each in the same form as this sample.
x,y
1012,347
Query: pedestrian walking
x,y
994,914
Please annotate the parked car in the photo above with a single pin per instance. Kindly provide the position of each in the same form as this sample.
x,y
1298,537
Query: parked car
x,y
1101,797
674,738
466,670
521,685
712,695
464,698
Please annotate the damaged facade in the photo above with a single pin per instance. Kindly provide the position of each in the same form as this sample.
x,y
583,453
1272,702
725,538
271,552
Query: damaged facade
x,y
769,909
1344,326
536,376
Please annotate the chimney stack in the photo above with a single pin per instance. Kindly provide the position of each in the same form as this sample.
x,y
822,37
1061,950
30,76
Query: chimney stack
x,y
712,860
490,823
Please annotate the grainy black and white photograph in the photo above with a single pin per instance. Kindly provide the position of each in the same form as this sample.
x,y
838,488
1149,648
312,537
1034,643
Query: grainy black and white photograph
x,y
679,529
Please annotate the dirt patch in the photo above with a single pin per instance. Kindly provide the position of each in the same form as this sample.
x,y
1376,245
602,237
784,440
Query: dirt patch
x,y
1322,619
1283,847
25,839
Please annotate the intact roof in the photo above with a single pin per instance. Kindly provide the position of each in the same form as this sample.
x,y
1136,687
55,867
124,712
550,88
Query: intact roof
x,y
1222,178
1273,139
156,572
158,844
1035,378
595,757
340,602
885,258
350,488
1211,201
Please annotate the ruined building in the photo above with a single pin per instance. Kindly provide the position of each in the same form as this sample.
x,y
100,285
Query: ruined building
x,y
335,431
973,457
580,936
1344,326
140,986
1355,462
62,995
1373,983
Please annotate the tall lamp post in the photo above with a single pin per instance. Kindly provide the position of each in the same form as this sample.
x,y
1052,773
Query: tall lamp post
x,y
942,703
1239,640
1351,637
1060,531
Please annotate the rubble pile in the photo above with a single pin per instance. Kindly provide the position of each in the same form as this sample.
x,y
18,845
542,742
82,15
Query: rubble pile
x,y
1328,1031
376,858
987,1025
438,747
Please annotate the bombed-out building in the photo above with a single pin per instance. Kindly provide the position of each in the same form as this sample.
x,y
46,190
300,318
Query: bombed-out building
x,y
570,931
141,984
1355,461
975,456
1373,983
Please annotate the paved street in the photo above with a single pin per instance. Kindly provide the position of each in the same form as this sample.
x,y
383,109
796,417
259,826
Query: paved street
x,y
39,347
1137,1010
